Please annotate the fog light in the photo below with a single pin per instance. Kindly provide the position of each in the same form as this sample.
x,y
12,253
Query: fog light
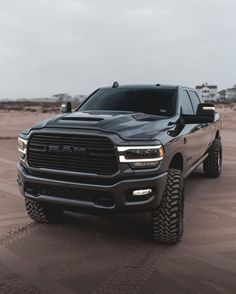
x,y
148,164
32,189
142,192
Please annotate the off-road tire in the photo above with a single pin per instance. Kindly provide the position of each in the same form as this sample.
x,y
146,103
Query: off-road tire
x,y
167,219
42,214
212,164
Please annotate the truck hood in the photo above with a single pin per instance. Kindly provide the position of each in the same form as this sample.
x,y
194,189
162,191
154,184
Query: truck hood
x,y
128,125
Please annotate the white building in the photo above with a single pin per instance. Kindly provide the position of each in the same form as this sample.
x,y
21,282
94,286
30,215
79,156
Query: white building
x,y
208,92
228,94
231,93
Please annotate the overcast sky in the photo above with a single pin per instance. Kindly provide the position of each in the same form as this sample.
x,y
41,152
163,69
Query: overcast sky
x,y
75,46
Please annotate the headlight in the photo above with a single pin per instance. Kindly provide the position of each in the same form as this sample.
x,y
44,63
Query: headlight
x,y
141,156
22,147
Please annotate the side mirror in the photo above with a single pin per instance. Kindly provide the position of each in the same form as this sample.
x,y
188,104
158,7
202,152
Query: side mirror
x,y
206,109
66,107
205,114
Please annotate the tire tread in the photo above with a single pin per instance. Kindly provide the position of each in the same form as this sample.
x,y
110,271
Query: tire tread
x,y
210,165
167,219
41,214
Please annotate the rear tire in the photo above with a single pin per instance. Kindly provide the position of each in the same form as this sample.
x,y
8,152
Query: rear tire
x,y
167,219
42,214
213,163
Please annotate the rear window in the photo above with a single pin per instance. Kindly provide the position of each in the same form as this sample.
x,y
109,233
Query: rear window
x,y
150,101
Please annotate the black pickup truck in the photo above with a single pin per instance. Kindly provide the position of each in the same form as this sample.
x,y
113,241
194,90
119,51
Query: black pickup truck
x,y
125,149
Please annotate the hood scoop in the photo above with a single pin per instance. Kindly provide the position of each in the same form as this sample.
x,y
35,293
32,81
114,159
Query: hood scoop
x,y
74,118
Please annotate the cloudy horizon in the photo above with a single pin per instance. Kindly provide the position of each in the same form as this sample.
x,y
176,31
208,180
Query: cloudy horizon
x,y
76,46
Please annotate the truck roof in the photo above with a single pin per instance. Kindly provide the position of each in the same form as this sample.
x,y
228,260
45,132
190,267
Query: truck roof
x,y
147,86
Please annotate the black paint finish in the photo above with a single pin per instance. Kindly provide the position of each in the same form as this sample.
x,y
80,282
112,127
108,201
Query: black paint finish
x,y
185,145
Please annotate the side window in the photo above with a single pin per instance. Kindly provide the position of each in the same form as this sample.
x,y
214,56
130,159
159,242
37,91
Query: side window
x,y
185,103
195,100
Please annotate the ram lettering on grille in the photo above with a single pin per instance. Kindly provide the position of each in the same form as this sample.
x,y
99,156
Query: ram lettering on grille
x,y
76,153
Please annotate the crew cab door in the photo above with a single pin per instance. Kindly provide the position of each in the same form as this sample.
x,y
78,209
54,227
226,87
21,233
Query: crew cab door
x,y
188,134
202,131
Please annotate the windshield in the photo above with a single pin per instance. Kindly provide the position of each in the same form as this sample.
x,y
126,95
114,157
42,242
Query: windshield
x,y
150,101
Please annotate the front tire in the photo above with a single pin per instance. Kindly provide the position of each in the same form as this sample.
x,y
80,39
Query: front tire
x,y
167,219
42,214
213,163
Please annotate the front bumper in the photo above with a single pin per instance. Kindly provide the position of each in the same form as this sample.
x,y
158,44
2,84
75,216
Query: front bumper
x,y
83,196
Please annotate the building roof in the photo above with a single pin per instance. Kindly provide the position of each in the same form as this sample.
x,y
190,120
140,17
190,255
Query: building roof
x,y
206,86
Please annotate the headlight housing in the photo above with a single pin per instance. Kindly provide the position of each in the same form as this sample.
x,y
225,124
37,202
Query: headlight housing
x,y
141,156
22,147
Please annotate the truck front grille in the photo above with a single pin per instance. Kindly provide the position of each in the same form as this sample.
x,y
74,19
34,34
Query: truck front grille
x,y
75,153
